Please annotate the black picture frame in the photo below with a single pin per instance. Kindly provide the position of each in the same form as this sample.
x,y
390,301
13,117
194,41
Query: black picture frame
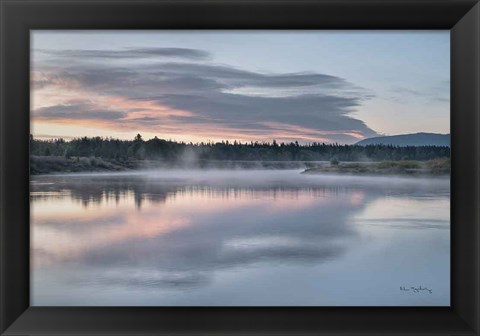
x,y
18,17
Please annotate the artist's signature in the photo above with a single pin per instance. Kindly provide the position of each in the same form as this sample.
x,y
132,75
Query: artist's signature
x,y
413,289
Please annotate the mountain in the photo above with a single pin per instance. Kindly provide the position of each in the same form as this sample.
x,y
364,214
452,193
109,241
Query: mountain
x,y
417,139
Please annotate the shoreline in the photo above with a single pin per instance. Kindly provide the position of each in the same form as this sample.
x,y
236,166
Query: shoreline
x,y
44,165
431,168
51,165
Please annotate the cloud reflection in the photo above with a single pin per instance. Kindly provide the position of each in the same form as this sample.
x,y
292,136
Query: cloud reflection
x,y
178,231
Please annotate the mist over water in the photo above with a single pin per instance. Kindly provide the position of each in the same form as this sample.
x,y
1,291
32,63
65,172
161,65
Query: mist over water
x,y
238,237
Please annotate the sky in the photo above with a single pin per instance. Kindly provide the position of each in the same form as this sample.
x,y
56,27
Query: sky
x,y
304,85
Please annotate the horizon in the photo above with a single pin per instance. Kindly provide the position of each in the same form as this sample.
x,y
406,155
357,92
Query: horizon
x,y
234,141
198,86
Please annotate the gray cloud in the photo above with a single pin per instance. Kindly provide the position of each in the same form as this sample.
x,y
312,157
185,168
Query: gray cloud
x,y
435,94
77,112
324,112
226,96
237,77
40,84
133,53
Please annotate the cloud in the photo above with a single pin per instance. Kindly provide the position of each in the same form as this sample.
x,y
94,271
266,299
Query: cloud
x,y
77,112
238,77
213,96
439,93
130,53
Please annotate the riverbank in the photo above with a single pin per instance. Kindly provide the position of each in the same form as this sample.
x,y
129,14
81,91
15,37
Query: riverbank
x,y
437,167
40,165
59,164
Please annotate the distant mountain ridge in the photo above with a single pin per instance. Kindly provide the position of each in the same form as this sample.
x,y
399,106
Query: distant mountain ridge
x,y
416,139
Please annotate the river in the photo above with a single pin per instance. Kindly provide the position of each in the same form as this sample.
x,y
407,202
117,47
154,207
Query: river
x,y
239,238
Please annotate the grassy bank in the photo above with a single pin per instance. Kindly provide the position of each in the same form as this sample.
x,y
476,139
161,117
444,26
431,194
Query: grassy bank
x,y
437,167
60,164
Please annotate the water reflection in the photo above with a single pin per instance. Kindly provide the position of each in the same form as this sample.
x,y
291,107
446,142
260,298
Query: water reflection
x,y
173,231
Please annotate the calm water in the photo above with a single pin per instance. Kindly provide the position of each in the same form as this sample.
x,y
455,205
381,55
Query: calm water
x,y
239,238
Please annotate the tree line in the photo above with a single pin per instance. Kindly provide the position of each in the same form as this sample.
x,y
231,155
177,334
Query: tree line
x,y
172,151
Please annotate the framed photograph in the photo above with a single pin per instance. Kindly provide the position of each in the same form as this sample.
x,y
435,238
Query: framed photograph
x,y
236,167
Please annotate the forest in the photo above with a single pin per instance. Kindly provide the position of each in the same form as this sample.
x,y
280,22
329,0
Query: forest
x,y
172,151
